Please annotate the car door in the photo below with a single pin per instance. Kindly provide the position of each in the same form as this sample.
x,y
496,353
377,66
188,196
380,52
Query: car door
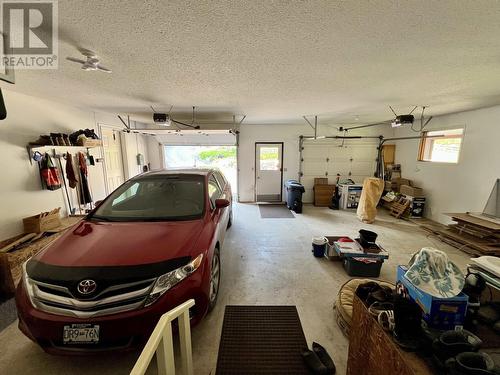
x,y
220,217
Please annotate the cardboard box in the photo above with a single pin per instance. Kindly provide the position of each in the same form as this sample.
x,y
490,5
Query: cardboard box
x,y
321,181
42,222
323,195
417,207
412,191
398,181
439,313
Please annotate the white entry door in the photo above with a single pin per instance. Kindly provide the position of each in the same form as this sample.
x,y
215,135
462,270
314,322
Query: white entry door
x,y
113,158
268,172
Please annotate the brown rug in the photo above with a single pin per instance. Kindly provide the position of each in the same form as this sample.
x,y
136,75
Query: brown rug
x,y
275,211
259,340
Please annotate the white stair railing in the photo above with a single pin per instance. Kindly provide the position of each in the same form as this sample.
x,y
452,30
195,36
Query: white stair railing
x,y
161,342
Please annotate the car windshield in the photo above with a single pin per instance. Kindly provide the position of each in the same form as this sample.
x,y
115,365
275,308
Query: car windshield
x,y
155,198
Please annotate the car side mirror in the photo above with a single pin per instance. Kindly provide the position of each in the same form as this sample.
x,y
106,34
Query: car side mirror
x,y
221,203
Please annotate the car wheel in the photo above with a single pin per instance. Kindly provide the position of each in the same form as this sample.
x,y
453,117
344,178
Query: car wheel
x,y
215,270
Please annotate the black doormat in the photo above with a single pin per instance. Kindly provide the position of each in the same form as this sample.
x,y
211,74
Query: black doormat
x,y
275,211
261,340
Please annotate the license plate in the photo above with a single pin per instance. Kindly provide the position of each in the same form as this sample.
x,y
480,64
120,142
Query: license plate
x,y
81,334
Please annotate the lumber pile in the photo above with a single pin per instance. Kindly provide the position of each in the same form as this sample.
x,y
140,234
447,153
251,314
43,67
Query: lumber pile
x,y
15,251
469,233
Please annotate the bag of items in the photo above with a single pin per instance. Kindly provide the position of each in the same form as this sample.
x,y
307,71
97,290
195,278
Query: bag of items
x,y
370,195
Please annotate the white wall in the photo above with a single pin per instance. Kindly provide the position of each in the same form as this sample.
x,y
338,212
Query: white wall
x,y
289,135
21,193
456,187
133,144
155,153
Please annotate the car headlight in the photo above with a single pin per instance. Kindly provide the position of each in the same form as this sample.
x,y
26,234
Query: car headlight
x,y
28,285
172,278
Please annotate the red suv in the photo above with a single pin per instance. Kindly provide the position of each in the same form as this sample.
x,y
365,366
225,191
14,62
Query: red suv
x,y
149,246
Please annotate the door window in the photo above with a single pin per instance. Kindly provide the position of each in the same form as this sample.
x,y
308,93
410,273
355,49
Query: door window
x,y
269,158
214,191
220,179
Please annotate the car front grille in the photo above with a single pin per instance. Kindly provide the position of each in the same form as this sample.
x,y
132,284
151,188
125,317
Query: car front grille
x,y
57,299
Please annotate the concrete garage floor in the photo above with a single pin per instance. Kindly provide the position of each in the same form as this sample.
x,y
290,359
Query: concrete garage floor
x,y
264,262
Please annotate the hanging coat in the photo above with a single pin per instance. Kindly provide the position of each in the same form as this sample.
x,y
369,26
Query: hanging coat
x,y
85,196
50,173
70,171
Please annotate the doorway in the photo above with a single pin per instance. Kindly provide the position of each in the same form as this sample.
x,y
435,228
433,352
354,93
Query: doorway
x,y
268,171
112,147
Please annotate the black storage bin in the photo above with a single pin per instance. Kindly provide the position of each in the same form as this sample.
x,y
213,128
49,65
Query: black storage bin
x,y
358,268
294,191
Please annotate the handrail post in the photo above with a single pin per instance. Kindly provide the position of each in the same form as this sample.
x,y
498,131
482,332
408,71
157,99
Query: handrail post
x,y
185,343
161,342
165,352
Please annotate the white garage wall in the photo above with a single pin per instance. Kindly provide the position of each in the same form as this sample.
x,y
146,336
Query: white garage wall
x,y
289,135
20,188
155,153
133,144
456,187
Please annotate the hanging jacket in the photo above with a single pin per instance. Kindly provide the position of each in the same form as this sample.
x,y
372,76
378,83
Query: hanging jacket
x,y
85,196
70,171
50,173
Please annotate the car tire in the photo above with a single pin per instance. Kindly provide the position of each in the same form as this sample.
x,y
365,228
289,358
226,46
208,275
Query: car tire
x,y
230,221
215,272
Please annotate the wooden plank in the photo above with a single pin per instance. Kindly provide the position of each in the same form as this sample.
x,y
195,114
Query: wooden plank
x,y
21,240
475,220
11,263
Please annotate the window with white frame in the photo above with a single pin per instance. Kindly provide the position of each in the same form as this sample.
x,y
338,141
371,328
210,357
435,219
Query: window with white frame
x,y
441,146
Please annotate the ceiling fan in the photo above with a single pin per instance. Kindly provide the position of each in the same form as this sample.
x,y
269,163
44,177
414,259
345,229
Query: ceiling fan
x,y
92,61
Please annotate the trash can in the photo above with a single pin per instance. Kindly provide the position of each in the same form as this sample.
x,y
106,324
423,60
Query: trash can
x,y
294,191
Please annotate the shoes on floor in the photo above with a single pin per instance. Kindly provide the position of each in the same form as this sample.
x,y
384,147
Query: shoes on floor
x,y
324,357
318,360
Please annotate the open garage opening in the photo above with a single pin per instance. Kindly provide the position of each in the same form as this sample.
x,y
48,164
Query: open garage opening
x,y
223,157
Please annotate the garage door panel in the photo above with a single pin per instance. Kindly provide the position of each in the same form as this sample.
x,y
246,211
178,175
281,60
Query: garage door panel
x,y
339,167
355,161
315,152
315,168
363,167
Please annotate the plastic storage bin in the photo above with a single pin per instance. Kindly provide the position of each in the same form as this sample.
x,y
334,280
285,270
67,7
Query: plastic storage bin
x,y
294,191
363,267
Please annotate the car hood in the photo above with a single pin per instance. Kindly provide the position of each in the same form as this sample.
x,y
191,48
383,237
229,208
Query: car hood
x,y
100,244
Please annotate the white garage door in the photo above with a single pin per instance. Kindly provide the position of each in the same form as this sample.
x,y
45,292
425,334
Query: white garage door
x,y
354,159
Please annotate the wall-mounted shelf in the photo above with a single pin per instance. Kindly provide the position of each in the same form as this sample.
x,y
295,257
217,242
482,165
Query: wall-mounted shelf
x,y
53,149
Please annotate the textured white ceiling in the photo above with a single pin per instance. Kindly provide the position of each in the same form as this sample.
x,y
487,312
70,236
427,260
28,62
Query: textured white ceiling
x,y
277,60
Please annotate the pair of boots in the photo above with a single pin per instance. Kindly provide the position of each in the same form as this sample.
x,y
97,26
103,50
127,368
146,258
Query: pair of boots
x,y
457,352
318,360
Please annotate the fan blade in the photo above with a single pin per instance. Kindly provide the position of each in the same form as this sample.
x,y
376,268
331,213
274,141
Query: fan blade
x,y
103,69
75,60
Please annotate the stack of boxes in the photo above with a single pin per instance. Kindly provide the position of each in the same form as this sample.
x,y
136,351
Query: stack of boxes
x,y
417,199
323,192
438,313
